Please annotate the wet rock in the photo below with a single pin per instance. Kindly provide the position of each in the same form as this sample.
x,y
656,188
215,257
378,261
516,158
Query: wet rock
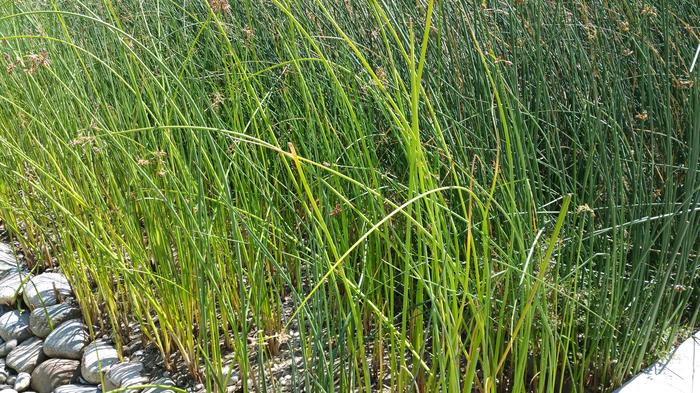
x,y
3,372
163,382
10,381
67,341
22,382
57,314
14,325
53,373
77,389
124,375
97,358
8,391
26,356
46,289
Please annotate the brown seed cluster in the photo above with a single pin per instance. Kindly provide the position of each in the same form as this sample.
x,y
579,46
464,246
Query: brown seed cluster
x,y
220,5
248,33
32,64
382,76
81,140
649,10
216,100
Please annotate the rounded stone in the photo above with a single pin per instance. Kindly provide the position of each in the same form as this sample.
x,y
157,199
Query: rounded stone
x,y
45,290
11,287
54,373
124,375
67,341
44,319
14,325
7,347
8,262
97,358
162,387
26,356
78,389
22,382
3,373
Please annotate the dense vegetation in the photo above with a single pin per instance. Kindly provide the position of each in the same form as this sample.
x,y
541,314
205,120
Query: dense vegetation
x,y
448,195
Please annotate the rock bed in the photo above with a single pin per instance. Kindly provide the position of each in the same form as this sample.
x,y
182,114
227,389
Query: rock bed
x,y
44,344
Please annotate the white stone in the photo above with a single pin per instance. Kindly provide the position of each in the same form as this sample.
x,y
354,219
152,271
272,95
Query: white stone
x,y
11,287
8,262
26,356
14,325
3,372
42,290
67,341
77,389
7,347
22,382
53,373
164,382
98,357
124,375
56,314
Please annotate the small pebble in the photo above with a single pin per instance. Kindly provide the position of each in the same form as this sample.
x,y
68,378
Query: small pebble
x,y
287,379
11,380
22,382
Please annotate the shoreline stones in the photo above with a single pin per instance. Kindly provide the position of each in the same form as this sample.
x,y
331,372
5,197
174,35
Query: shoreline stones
x,y
10,287
46,289
54,373
42,319
44,344
26,356
22,381
124,375
162,382
8,263
78,389
67,340
97,360
14,325
7,347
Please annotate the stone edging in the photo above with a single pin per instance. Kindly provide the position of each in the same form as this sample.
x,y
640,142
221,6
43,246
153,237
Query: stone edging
x,y
45,346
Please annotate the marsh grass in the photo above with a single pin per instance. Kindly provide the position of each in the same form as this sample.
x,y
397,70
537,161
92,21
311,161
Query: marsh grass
x,y
454,195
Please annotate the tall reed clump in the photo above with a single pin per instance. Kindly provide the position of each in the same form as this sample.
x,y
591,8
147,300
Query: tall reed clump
x,y
436,195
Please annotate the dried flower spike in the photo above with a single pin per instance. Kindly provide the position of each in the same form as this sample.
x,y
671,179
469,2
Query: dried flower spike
x,y
220,5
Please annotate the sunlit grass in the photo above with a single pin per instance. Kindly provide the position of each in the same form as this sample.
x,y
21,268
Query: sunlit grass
x,y
454,195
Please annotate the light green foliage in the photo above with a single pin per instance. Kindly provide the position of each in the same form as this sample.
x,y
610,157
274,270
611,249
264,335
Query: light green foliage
x,y
451,195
